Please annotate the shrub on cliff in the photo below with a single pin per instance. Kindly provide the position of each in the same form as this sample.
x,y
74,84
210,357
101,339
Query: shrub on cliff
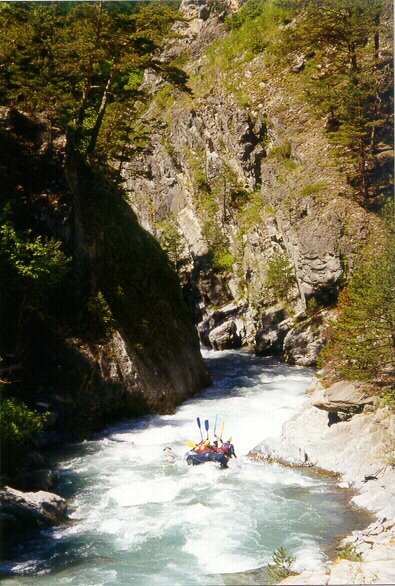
x,y
31,266
362,341
18,426
280,277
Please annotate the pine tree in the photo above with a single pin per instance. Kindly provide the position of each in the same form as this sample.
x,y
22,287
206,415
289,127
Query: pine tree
x,y
362,341
71,62
351,84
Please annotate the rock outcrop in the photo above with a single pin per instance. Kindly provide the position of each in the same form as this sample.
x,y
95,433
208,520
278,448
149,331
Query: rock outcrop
x,y
116,338
22,510
254,172
360,448
345,397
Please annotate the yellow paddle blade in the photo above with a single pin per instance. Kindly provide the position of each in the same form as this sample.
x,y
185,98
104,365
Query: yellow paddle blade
x,y
222,430
190,444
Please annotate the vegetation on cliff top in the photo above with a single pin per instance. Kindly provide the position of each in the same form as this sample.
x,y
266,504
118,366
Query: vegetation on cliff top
x,y
340,54
79,63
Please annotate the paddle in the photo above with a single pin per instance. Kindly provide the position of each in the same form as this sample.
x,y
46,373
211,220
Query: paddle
x,y
190,444
200,429
206,425
215,425
222,431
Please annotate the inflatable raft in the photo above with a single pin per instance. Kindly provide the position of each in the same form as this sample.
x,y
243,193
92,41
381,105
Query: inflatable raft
x,y
194,459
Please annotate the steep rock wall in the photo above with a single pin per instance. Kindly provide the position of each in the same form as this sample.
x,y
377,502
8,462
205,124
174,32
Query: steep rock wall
x,y
136,352
244,156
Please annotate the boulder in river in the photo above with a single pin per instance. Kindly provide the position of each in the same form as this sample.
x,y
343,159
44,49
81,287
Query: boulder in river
x,y
270,337
31,509
225,336
43,479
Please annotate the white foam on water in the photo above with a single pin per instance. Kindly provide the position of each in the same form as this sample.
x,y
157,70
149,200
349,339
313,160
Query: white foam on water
x,y
145,491
163,522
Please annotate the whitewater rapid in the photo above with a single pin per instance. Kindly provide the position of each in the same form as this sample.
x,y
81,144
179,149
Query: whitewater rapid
x,y
141,518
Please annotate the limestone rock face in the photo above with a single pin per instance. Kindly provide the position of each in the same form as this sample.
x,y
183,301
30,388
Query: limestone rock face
x,y
357,449
211,143
34,509
343,396
303,343
147,358
270,337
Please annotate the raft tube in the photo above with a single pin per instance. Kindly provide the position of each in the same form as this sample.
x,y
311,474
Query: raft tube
x,y
194,459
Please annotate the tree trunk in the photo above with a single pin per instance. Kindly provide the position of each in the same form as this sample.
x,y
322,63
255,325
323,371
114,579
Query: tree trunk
x,y
81,112
100,116
88,80
376,39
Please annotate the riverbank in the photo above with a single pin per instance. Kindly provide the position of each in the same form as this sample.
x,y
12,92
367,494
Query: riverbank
x,y
341,431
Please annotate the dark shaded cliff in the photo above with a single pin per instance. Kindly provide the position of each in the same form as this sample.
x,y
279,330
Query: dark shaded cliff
x,y
113,338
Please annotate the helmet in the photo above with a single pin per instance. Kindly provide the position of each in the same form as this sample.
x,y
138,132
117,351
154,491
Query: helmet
x,y
207,443
229,440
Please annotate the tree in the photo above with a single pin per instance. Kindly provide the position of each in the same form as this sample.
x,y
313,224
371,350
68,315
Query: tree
x,y
73,61
351,83
281,566
171,240
280,276
18,426
31,266
361,342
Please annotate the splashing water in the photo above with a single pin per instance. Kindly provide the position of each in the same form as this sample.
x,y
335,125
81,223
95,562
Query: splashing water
x,y
144,519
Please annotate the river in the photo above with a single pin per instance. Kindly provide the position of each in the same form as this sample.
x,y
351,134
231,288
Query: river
x,y
141,519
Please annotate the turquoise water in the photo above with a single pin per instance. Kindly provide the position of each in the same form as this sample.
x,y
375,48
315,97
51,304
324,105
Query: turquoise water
x,y
142,519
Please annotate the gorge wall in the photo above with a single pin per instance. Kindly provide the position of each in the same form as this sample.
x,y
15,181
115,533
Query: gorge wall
x,y
114,338
240,181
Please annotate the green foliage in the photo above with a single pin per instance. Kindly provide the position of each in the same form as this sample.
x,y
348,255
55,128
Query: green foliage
x,y
389,398
250,215
281,151
251,30
197,164
164,98
313,308
223,260
280,277
18,423
70,61
281,566
348,78
171,240
33,259
349,553
99,307
313,188
361,342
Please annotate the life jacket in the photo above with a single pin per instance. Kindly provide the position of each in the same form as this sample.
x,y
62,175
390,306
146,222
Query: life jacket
x,y
201,448
227,449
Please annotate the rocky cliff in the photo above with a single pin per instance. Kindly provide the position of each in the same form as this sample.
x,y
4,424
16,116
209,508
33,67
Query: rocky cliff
x,y
244,171
114,339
